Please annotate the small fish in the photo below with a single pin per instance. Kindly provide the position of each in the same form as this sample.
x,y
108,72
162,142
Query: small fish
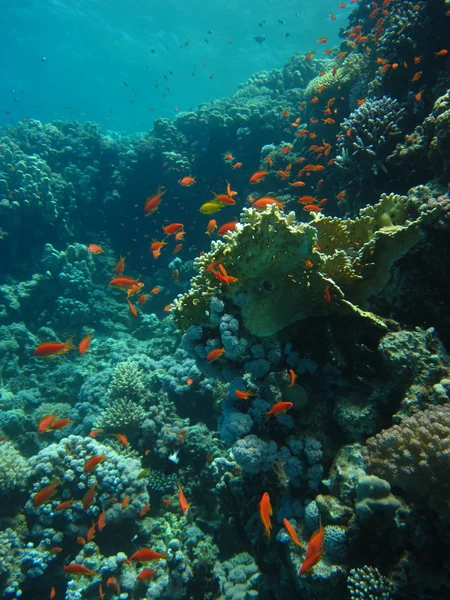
x,y
184,505
156,247
92,462
265,512
152,202
81,541
211,227
44,424
258,176
322,40
326,294
314,551
173,228
75,569
215,354
89,497
56,550
52,592
227,228
112,583
166,501
142,299
177,248
64,505
174,457
47,349
291,532
124,283
237,165
101,520
94,249
120,266
94,433
147,555
155,290
265,201
417,76
83,346
312,208
211,207
292,375
244,395
45,494
144,510
132,308
442,52
277,409
125,502
143,473
60,424
187,181
146,575
90,533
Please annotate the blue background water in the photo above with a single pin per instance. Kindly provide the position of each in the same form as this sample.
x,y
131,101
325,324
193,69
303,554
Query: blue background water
x,y
99,64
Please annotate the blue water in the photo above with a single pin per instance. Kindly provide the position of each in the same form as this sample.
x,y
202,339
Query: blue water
x,y
93,59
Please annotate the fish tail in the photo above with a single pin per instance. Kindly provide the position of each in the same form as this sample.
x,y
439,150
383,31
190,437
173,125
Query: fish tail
x,y
69,344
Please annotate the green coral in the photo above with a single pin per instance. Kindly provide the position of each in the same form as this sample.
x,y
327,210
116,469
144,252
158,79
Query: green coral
x,y
14,469
289,271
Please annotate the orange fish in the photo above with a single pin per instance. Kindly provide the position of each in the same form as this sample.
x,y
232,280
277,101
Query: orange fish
x,y
90,533
417,76
83,346
92,462
237,165
230,192
125,502
152,202
95,249
277,409
227,228
187,181
180,236
184,504
223,198
307,199
327,294
75,569
285,113
177,248
292,375
312,208
101,593
442,52
176,275
215,354
112,583
309,56
322,40
313,168
89,497
144,510
64,505
147,555
60,424
315,550
124,283
94,433
173,228
297,184
122,439
212,226
45,494
286,149
155,290
283,174
166,501
101,520
244,395
143,298
228,156
132,308
47,349
120,266
146,575
265,201
81,540
56,550
44,424
258,176
265,512
156,247
52,592
291,532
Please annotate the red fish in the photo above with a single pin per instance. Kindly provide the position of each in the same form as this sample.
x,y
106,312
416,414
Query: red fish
x,y
265,201
75,569
124,283
120,266
125,502
60,424
92,462
45,494
212,226
152,203
47,349
112,583
227,228
315,550
292,375
94,249
144,510
278,408
101,520
83,346
90,533
265,512
244,395
147,555
89,497
64,505
215,354
132,308
44,424
258,176
291,532
122,439
184,504
187,181
146,575
173,228
52,592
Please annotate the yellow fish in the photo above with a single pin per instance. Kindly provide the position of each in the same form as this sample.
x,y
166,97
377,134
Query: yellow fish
x,y
211,207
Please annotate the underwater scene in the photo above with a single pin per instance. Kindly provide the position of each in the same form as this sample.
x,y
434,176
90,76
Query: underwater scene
x,y
224,300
